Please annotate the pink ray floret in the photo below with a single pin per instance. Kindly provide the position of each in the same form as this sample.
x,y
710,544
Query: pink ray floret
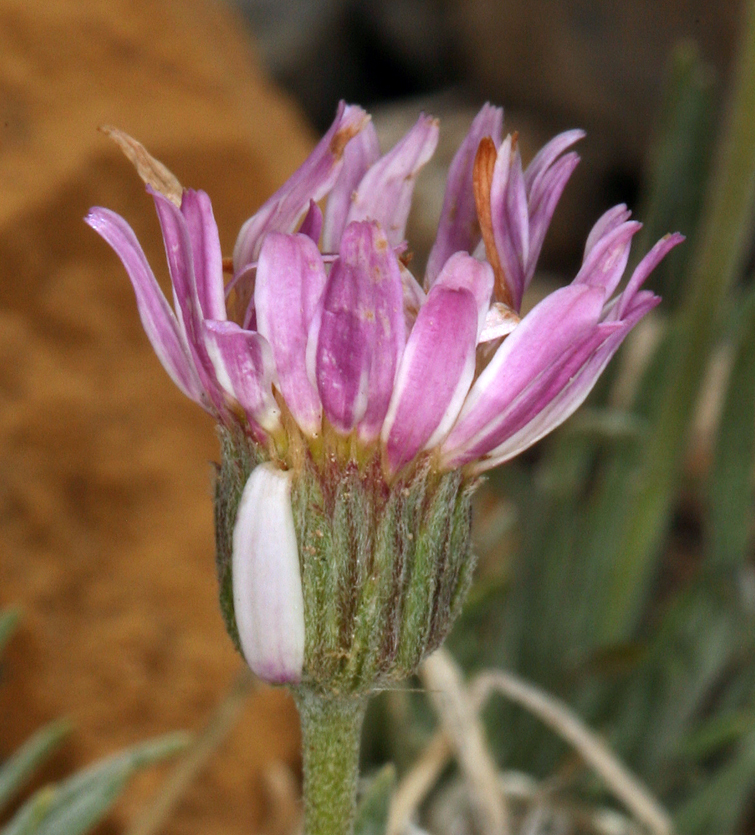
x,y
334,329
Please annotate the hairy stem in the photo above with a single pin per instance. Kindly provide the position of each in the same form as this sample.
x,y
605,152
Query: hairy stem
x,y
331,728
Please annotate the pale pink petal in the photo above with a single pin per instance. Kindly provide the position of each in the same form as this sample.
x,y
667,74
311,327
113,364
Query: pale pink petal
x,y
463,272
510,218
181,265
244,368
267,592
311,226
573,394
158,319
385,192
414,296
434,376
312,181
205,246
542,204
547,156
362,152
361,332
290,282
459,229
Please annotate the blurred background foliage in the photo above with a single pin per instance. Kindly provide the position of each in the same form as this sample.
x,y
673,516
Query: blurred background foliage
x,y
616,558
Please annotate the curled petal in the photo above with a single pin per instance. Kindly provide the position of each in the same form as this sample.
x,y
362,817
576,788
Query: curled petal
x,y
606,223
607,258
362,152
360,332
243,366
158,319
385,192
434,376
459,229
290,281
645,267
312,181
541,339
267,594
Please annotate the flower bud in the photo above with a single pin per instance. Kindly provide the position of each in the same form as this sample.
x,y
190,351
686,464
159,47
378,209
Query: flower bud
x,y
267,595
378,567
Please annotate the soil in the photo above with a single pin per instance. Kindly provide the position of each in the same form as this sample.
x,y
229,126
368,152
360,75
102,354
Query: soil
x,y
105,468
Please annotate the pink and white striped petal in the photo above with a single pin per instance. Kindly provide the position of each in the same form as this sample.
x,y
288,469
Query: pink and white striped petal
x,y
385,192
159,321
267,593
458,228
290,282
244,368
436,371
571,397
540,340
541,391
312,181
360,332
542,202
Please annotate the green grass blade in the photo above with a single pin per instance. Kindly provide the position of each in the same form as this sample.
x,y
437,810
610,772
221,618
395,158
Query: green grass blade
x,y
27,819
33,753
731,488
717,261
373,809
84,799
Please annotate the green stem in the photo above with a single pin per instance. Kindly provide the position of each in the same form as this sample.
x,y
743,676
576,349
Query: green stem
x,y
331,728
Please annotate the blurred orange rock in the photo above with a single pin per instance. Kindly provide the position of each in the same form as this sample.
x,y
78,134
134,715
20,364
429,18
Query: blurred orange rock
x,y
105,473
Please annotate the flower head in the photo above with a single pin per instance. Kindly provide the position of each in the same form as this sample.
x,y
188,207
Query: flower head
x,y
323,348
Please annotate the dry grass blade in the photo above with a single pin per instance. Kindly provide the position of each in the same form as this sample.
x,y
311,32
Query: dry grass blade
x,y
458,717
151,170
418,782
624,785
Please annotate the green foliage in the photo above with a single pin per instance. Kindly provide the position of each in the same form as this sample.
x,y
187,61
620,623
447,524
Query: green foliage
x,y
79,803
373,809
